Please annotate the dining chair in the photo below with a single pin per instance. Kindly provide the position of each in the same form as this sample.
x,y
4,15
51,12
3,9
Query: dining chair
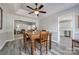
x,y
28,42
43,40
26,39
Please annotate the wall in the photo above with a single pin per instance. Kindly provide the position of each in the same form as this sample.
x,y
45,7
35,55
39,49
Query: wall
x,y
65,23
65,26
76,29
51,22
6,34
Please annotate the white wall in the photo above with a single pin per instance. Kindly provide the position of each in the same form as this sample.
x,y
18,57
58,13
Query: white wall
x,y
6,34
76,29
65,23
65,26
51,23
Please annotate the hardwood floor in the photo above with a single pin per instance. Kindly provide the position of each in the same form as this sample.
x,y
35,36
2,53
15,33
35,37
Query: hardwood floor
x,y
16,48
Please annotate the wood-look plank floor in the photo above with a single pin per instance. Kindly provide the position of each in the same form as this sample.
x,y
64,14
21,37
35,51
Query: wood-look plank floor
x,y
16,48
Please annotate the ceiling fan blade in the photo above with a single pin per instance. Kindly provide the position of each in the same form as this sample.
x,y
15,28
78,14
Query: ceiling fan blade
x,y
36,4
30,7
42,11
31,12
41,6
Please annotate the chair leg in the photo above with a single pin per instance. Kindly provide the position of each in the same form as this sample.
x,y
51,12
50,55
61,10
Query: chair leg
x,y
40,49
24,41
72,45
46,48
25,49
31,49
25,46
35,45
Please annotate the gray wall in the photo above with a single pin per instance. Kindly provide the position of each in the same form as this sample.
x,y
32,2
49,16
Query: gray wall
x,y
50,23
7,33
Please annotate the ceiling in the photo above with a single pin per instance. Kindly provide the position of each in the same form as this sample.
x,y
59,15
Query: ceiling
x,y
21,9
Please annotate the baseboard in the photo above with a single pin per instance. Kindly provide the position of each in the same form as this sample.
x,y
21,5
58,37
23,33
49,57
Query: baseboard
x,y
69,48
54,41
1,47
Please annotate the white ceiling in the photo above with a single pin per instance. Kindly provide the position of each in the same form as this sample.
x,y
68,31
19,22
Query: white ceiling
x,y
21,9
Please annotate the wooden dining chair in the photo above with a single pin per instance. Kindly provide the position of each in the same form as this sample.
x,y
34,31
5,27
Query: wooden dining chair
x,y
26,39
43,40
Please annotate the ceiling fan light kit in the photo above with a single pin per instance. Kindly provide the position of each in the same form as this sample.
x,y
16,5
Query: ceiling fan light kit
x,y
36,10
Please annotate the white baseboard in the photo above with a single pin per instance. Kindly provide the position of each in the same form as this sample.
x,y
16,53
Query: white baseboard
x,y
5,43
54,41
69,48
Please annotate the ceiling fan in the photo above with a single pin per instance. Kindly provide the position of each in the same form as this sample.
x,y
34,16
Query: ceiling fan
x,y
36,10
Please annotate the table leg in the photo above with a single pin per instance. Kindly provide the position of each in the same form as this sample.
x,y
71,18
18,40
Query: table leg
x,y
46,47
32,47
50,41
24,41
40,49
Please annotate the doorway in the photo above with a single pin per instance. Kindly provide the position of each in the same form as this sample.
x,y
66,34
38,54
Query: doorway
x,y
20,26
65,31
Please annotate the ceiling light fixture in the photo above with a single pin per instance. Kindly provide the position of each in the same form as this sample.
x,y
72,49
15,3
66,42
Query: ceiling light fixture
x,y
36,12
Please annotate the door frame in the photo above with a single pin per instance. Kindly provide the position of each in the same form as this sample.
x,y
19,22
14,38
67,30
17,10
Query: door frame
x,y
71,14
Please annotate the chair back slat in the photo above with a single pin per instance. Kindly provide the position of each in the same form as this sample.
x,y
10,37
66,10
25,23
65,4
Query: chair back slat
x,y
43,36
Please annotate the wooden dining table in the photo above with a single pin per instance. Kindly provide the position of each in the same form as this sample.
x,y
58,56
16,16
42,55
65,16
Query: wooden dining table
x,y
33,37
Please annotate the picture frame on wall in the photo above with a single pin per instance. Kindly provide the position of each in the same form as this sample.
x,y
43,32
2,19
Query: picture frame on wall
x,y
1,18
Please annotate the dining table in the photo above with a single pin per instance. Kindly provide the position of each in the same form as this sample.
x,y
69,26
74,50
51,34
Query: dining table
x,y
34,37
